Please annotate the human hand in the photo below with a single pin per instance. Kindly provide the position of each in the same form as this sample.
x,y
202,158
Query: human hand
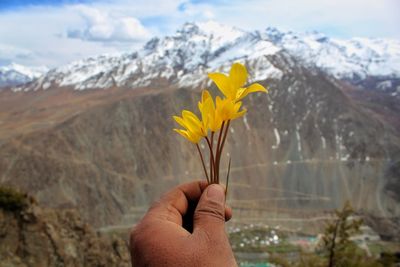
x,y
184,228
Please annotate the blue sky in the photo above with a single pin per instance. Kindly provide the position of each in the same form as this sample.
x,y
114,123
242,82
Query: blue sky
x,y
6,4
13,4
55,32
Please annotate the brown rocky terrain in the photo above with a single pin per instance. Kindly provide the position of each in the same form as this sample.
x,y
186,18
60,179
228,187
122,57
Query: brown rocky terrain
x,y
301,150
38,237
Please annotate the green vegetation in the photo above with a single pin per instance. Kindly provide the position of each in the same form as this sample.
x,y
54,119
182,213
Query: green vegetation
x,y
336,241
12,200
283,247
336,248
345,242
304,260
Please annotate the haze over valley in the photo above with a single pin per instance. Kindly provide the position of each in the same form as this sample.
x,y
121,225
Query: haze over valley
x,y
96,135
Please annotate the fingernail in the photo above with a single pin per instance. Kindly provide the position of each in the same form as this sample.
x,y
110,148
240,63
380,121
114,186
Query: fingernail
x,y
216,192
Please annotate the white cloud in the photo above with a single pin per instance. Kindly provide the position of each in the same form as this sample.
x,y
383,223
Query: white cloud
x,y
198,11
107,27
368,18
8,53
56,35
37,36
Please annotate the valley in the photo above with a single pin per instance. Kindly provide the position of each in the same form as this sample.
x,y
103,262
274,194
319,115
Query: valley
x,y
96,135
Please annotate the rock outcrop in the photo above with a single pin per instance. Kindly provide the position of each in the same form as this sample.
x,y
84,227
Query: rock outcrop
x,y
37,237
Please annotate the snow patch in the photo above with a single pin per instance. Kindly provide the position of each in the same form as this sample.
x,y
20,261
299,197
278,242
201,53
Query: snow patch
x,y
323,142
384,85
278,139
345,158
246,124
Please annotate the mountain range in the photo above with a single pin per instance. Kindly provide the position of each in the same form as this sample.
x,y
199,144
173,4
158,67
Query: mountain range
x,y
16,74
200,47
328,131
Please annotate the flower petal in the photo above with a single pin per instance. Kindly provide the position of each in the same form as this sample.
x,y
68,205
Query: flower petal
x,y
216,124
182,132
205,95
206,105
188,115
180,121
239,114
223,83
255,87
188,135
238,75
193,123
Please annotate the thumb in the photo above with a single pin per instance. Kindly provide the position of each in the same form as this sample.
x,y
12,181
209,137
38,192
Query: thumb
x,y
209,215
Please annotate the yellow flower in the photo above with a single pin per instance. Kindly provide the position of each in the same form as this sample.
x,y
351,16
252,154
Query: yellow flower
x,y
232,86
210,117
189,135
194,128
228,109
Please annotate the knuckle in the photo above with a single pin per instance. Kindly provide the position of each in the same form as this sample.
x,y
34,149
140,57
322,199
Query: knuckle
x,y
212,209
155,204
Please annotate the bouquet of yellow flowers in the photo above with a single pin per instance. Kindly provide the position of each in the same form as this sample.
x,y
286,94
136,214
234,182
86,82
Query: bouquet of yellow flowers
x,y
216,116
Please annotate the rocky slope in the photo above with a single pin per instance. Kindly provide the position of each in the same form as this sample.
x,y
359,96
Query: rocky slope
x,y
312,143
38,237
304,148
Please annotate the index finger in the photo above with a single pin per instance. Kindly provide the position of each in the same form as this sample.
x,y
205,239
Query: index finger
x,y
174,204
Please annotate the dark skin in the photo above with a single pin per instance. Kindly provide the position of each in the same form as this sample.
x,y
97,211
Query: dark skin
x,y
186,227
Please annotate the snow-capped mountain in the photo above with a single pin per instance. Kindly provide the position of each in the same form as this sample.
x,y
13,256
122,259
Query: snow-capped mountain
x,y
197,48
15,74
354,58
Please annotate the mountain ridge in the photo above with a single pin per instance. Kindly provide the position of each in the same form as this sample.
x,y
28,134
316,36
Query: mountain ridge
x,y
197,48
306,146
16,74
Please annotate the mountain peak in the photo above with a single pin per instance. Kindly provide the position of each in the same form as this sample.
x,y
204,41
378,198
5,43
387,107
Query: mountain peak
x,y
15,74
29,71
199,47
210,28
189,28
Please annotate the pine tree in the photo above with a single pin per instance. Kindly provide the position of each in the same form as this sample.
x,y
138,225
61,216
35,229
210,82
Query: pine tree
x,y
336,240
